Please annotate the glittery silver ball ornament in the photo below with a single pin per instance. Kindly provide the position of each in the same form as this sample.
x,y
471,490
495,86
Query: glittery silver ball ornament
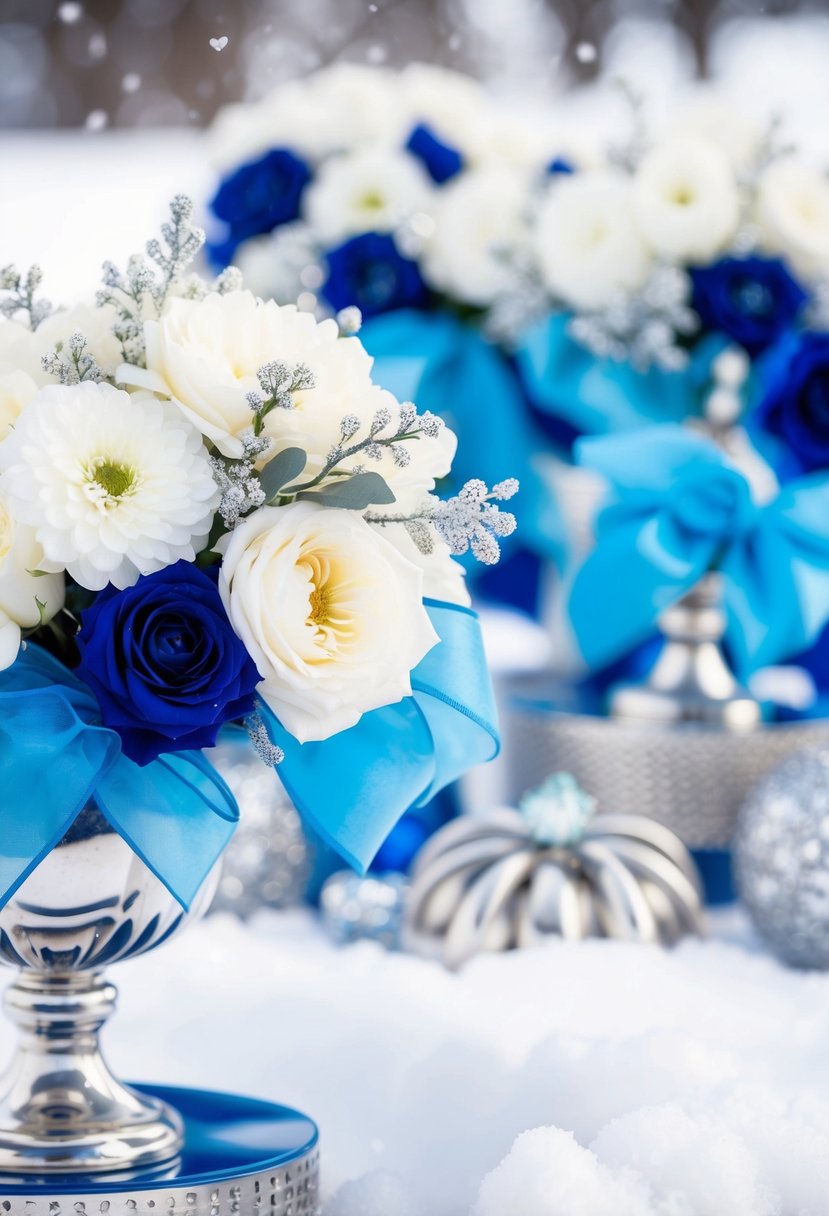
x,y
370,908
781,859
268,861
514,879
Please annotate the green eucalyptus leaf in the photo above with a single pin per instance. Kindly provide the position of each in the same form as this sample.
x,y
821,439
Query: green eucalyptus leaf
x,y
360,491
285,466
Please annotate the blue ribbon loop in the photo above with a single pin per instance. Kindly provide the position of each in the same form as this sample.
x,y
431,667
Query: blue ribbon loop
x,y
448,367
177,813
679,508
354,787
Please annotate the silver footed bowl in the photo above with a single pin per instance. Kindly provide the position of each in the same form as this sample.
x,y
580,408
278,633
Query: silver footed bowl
x,y
89,903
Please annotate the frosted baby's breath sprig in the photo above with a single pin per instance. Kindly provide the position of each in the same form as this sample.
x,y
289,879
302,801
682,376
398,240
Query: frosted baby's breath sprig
x,y
73,362
142,288
239,485
267,751
469,521
21,291
278,381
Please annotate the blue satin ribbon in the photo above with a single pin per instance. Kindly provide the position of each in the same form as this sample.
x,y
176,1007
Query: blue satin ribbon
x,y
176,813
602,396
353,788
679,509
448,367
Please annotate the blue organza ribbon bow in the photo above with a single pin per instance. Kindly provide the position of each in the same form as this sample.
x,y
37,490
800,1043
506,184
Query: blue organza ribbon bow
x,y
449,367
178,814
679,509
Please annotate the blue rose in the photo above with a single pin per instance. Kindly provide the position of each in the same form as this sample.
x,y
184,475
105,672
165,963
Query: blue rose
x,y
371,272
752,300
258,197
560,164
441,161
164,663
794,407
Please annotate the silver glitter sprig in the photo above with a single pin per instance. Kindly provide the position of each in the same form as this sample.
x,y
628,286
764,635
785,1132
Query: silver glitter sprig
x,y
471,520
21,295
267,750
645,327
238,481
72,363
278,382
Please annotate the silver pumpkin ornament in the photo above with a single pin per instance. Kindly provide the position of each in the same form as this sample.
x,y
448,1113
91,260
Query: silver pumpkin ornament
x,y
781,859
553,869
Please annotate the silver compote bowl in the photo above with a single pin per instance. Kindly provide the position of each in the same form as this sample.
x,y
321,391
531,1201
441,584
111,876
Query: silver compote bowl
x,y
89,903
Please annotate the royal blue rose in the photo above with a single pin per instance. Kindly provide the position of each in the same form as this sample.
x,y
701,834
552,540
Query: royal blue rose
x,y
164,663
794,407
371,272
258,197
752,300
441,161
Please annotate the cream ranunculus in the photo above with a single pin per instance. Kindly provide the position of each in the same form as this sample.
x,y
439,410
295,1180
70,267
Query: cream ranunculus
x,y
686,200
26,600
329,611
478,223
793,215
205,354
368,191
586,240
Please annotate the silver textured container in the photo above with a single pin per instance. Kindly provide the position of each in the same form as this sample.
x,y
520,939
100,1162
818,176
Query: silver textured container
x,y
691,777
89,903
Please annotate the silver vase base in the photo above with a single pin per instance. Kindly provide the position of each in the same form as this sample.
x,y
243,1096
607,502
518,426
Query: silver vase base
x,y
240,1156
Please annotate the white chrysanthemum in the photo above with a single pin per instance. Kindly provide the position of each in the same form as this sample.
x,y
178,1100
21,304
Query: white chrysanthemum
x,y
685,199
479,222
26,599
369,191
793,215
329,611
586,240
205,354
113,485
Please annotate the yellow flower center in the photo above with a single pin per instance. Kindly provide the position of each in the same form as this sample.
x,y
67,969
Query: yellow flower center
x,y
320,604
372,200
6,533
682,196
108,482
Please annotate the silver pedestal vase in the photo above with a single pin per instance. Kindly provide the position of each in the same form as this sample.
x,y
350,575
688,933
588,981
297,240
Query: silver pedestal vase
x,y
90,902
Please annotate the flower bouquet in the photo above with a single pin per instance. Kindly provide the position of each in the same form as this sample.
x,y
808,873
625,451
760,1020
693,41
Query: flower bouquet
x,y
403,199
209,513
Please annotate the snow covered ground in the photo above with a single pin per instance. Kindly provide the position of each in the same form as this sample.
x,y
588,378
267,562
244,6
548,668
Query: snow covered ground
x,y
597,1079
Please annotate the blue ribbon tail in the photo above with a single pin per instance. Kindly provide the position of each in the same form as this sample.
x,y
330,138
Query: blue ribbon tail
x,y
353,787
176,813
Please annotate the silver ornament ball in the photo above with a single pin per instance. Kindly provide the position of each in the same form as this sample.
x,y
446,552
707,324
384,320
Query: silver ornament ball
x,y
781,859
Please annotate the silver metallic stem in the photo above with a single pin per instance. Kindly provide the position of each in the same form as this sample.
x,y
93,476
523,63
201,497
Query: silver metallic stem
x,y
61,1109
691,681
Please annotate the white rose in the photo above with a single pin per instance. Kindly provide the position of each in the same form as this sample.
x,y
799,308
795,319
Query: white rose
x,y
205,354
329,611
16,391
369,191
792,212
710,117
444,578
479,221
25,600
586,240
685,199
